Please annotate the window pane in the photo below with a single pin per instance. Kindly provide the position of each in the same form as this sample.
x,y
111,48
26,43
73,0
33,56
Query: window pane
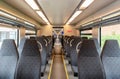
x,y
86,33
29,33
7,33
88,36
110,32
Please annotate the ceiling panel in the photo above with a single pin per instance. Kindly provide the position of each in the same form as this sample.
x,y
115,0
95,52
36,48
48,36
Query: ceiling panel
x,y
22,6
58,11
93,8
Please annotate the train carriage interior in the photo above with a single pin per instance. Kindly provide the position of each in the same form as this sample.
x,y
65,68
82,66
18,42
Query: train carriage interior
x,y
59,39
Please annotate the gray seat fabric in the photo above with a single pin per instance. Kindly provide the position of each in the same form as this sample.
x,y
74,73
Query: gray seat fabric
x,y
97,45
74,55
21,45
8,59
89,63
29,65
111,59
43,54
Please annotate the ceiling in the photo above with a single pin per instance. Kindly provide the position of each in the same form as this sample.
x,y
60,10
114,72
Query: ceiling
x,y
93,8
58,11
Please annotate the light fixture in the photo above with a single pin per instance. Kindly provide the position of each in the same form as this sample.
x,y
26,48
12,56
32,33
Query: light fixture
x,y
74,16
42,16
7,15
32,4
85,4
29,23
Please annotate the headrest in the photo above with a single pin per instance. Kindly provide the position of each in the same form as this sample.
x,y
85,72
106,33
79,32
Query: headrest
x,y
76,41
68,40
41,40
40,46
9,48
111,49
88,49
30,48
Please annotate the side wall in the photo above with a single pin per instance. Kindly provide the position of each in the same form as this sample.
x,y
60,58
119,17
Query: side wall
x,y
69,30
46,31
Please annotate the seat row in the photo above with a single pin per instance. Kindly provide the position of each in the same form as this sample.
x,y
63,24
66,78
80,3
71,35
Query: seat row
x,y
89,62
27,62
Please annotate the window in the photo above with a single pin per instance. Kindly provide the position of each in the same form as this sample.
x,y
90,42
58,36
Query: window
x,y
110,32
29,33
7,33
86,33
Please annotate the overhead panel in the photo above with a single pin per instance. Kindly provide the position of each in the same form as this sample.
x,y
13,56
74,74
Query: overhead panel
x,y
92,9
58,11
22,6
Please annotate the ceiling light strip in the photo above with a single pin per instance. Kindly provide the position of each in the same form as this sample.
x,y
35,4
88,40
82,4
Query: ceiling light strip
x,y
35,7
85,4
29,23
32,4
42,16
74,16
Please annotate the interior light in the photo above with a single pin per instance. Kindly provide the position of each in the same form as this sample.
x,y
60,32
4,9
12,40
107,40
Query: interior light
x,y
42,16
29,23
32,4
74,16
7,15
86,3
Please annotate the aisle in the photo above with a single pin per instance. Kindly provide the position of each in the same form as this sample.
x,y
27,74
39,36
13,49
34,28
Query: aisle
x,y
58,70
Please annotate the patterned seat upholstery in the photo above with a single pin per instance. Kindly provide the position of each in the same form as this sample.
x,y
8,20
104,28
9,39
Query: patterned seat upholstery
x,y
29,65
89,63
97,45
42,45
111,59
21,45
74,54
8,59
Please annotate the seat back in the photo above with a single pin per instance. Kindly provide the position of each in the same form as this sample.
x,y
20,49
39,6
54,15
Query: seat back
x,y
111,59
43,52
97,45
73,51
8,59
21,45
29,65
89,63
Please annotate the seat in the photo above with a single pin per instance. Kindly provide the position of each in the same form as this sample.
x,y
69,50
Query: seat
x,y
29,65
49,45
67,47
111,59
42,46
21,45
89,62
74,54
8,59
97,45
